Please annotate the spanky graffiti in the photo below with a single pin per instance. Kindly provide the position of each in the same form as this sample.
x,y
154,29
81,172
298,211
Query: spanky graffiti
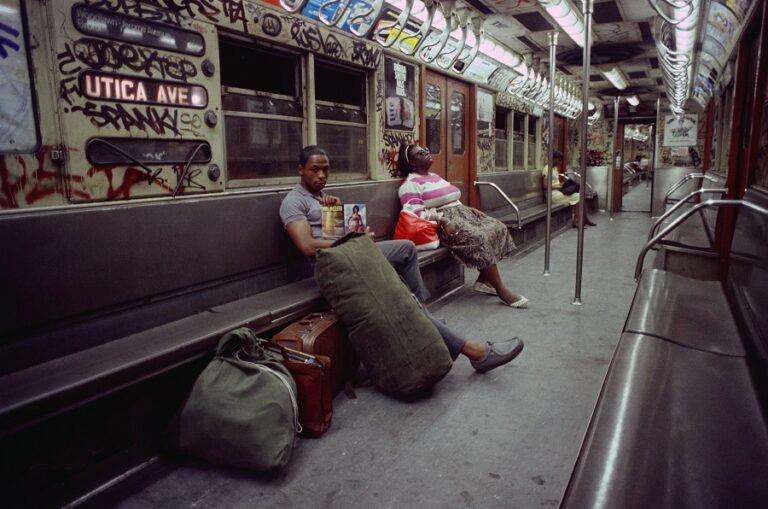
x,y
392,141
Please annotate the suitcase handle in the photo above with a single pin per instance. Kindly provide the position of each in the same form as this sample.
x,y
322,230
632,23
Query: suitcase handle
x,y
308,319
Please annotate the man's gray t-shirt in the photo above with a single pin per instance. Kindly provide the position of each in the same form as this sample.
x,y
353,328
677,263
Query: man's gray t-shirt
x,y
301,204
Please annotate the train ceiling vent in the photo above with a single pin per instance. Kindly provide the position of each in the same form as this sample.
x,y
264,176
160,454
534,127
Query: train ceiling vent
x,y
606,12
603,54
533,21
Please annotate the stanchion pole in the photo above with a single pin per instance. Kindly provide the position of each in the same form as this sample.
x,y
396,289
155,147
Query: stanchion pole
x,y
613,154
586,61
550,149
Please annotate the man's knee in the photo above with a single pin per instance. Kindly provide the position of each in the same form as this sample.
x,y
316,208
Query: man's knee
x,y
398,251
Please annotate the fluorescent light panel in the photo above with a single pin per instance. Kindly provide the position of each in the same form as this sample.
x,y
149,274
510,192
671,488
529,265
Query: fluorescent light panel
x,y
633,100
567,17
616,77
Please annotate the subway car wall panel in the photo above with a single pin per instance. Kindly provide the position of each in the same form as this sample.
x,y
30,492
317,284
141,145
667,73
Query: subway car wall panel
x,y
136,112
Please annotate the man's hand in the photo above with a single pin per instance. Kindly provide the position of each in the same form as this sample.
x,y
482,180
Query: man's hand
x,y
327,199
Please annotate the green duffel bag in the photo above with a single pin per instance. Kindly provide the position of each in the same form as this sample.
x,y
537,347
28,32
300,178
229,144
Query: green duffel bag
x,y
242,411
402,350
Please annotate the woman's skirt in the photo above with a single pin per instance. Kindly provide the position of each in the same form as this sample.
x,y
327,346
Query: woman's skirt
x,y
480,240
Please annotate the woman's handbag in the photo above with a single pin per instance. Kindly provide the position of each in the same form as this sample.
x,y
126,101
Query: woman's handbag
x,y
422,232
243,408
570,186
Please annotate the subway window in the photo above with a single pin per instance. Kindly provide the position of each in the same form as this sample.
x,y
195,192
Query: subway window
x,y
500,130
532,121
518,141
263,115
342,122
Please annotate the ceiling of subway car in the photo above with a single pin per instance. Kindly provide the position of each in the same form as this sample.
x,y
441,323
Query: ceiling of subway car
x,y
622,38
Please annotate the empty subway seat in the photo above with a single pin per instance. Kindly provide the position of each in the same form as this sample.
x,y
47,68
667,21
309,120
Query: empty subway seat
x,y
689,249
681,418
524,189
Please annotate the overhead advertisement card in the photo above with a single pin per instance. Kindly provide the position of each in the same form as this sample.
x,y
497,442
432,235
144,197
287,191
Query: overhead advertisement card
x,y
680,132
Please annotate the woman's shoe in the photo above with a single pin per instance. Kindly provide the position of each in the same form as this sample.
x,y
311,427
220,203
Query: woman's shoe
x,y
520,303
481,287
591,223
499,353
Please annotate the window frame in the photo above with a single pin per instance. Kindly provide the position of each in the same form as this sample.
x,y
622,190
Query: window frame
x,y
305,97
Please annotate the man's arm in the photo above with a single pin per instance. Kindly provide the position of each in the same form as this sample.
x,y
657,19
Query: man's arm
x,y
301,235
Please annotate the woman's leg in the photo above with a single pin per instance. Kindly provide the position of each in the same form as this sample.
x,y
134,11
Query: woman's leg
x,y
491,276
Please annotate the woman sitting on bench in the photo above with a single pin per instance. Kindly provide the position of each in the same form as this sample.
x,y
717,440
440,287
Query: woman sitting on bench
x,y
477,240
558,196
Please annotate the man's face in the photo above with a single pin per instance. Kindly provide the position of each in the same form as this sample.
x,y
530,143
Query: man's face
x,y
314,174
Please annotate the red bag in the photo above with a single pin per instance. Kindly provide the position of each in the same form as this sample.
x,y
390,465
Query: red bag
x,y
313,386
422,232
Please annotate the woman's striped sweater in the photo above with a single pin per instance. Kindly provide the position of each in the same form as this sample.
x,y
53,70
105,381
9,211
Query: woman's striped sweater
x,y
421,194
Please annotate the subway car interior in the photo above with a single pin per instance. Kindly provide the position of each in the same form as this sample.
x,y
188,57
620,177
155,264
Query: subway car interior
x,y
150,151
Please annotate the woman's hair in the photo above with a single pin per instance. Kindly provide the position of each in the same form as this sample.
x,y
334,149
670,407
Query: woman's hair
x,y
557,153
355,209
403,168
309,151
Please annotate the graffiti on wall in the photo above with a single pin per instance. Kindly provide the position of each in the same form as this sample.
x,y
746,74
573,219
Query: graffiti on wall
x,y
18,132
391,141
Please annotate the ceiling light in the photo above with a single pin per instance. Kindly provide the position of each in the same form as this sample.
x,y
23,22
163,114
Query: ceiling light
x,y
633,100
567,17
616,77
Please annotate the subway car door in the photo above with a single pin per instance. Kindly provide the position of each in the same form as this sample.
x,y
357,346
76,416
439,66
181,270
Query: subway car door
x,y
446,103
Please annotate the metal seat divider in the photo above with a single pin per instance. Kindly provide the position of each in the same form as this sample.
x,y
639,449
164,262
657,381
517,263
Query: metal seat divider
x,y
507,198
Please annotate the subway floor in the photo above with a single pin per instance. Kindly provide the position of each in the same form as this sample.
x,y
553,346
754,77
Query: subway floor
x,y
508,438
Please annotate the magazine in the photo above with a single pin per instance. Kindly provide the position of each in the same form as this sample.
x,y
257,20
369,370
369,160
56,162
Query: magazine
x,y
354,218
333,222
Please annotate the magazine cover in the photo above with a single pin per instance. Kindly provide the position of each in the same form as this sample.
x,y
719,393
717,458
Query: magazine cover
x,y
333,222
354,218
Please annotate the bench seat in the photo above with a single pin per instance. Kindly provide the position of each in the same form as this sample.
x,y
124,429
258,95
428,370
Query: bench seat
x,y
527,215
674,427
42,390
679,309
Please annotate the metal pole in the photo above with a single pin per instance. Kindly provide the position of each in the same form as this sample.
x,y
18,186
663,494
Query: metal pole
x,y
656,150
651,140
616,101
586,61
550,149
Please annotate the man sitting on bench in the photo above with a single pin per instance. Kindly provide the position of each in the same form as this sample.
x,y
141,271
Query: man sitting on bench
x,y
301,213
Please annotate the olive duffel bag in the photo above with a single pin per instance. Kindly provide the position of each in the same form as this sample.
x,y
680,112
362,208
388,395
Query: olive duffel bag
x,y
401,349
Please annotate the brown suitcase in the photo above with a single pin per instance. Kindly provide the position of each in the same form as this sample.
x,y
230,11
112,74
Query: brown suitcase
x,y
322,334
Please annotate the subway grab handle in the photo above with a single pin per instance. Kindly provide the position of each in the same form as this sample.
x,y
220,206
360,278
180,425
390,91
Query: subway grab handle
x,y
507,198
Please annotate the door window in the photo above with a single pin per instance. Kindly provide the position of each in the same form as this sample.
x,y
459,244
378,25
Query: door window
x,y
433,106
457,123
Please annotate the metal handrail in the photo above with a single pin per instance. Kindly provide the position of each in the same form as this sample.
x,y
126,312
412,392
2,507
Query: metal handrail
x,y
679,183
503,195
679,204
681,219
